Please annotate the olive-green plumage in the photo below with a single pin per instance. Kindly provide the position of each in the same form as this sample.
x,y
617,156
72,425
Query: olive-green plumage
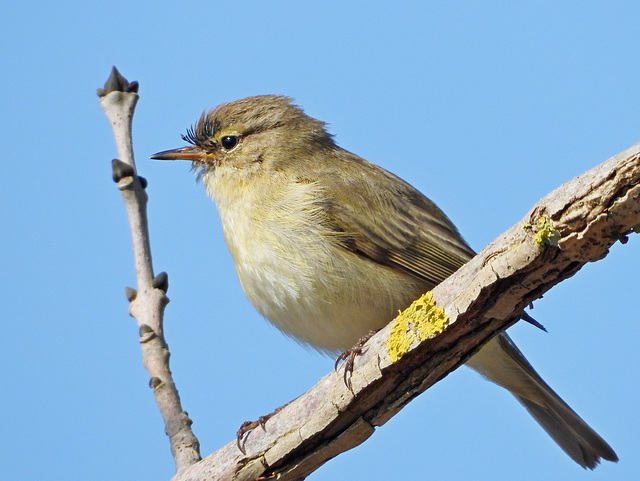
x,y
328,246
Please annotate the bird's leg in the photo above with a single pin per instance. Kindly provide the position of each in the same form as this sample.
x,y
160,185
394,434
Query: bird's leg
x,y
349,357
248,426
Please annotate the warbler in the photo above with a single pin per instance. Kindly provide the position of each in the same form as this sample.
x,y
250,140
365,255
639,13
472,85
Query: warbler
x,y
328,246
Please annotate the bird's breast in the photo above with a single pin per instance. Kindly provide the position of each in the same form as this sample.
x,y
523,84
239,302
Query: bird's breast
x,y
299,278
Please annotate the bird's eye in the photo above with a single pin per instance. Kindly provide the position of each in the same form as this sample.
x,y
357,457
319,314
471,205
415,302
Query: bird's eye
x,y
228,142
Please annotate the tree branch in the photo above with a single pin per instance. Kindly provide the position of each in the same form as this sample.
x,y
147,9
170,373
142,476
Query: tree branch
x,y
118,99
575,224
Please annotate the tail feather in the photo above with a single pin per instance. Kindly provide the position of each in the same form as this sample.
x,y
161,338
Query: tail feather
x,y
571,433
501,362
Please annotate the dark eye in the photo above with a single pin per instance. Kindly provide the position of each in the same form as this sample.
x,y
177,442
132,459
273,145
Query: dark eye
x,y
228,142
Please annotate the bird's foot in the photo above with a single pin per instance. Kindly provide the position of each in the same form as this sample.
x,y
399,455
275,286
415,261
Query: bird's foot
x,y
349,358
248,426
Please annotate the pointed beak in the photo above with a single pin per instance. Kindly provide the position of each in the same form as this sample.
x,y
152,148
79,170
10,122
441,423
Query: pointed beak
x,y
193,153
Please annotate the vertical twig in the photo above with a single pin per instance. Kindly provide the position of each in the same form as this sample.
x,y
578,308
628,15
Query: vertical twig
x,y
118,99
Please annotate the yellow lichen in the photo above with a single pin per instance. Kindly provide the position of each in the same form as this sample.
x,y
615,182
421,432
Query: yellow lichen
x,y
547,235
422,320
399,339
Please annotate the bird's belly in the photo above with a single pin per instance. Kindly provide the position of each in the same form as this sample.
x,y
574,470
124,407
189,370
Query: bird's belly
x,y
326,297
297,275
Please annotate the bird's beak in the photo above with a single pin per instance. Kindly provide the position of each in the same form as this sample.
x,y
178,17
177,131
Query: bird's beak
x,y
193,153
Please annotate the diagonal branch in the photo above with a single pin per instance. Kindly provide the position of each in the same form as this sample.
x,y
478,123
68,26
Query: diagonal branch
x,y
575,224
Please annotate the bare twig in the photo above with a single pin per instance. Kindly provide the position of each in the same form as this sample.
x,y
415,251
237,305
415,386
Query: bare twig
x,y
118,99
573,225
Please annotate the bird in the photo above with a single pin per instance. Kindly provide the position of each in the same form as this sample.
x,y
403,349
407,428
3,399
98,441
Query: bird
x,y
328,246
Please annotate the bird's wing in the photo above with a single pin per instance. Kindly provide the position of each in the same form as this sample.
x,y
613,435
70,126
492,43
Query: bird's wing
x,y
415,236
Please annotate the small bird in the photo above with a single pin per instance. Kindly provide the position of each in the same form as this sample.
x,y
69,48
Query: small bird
x,y
328,246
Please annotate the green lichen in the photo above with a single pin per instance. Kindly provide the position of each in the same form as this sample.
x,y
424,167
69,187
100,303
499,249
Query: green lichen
x,y
422,320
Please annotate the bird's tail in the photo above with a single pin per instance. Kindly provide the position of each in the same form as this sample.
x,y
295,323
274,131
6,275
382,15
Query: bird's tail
x,y
501,362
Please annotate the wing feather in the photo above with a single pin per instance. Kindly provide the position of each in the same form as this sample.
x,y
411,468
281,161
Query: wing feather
x,y
414,236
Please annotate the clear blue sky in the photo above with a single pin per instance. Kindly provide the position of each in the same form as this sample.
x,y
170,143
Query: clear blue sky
x,y
484,106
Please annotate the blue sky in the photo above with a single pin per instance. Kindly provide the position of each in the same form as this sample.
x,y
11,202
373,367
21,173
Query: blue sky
x,y
484,106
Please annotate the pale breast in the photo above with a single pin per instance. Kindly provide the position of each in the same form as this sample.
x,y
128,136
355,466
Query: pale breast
x,y
297,276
